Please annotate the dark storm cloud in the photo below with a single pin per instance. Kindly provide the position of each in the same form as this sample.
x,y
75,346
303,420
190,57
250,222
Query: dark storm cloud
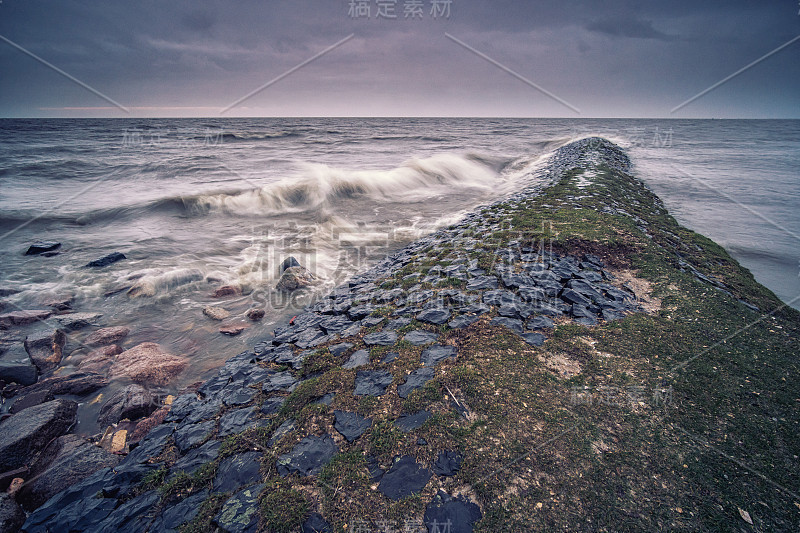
x,y
620,58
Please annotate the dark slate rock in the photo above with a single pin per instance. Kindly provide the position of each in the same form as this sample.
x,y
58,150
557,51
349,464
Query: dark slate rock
x,y
240,513
203,411
104,261
338,350
513,324
447,463
499,297
398,323
540,322
580,311
286,427
416,379
477,308
573,297
308,457
171,518
151,445
29,400
335,324
131,402
434,316
238,471
351,425
372,382
272,405
280,381
22,372
404,478
458,515
463,321
197,457
237,421
11,514
374,469
316,524
191,435
611,314
534,339
372,321
40,247
436,354
67,460
481,283
357,359
418,337
287,263
327,399
409,423
586,321
182,406
586,289
359,312
310,337
380,338
27,432
532,294
389,357
131,516
351,331
241,396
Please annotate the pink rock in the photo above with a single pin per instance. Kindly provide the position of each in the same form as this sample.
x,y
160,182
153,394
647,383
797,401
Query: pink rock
x,y
110,335
100,359
233,329
227,290
255,314
148,363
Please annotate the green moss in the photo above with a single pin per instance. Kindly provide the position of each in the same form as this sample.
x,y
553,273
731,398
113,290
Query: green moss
x,y
283,508
383,438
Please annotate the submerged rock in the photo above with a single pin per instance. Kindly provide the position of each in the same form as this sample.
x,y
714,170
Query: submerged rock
x,y
104,261
75,321
19,371
148,363
23,318
105,336
77,384
294,278
216,313
40,247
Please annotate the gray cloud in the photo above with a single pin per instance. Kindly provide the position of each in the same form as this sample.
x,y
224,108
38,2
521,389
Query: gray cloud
x,y
628,27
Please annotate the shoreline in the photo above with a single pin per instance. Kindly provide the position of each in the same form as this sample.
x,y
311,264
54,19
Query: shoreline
x,y
403,372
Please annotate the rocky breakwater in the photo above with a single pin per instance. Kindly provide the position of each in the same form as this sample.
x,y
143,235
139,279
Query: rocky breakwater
x,y
394,402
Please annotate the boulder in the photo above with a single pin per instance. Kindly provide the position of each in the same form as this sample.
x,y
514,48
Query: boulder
x,y
99,360
23,318
216,313
75,321
104,261
77,384
105,336
11,514
45,348
148,363
22,372
25,433
67,460
131,402
295,277
404,478
288,263
255,314
30,400
40,247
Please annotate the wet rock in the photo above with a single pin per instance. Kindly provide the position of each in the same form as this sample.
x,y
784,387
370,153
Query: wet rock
x,y
99,360
415,380
338,350
40,247
180,513
197,457
106,336
193,434
44,348
289,262
77,384
232,330
436,354
22,372
409,423
76,321
357,359
23,318
225,291
104,261
65,461
237,421
58,303
372,382
237,471
31,430
380,338
418,337
131,402
308,457
294,278
434,316
240,513
457,514
131,516
404,478
534,339
216,313
316,524
513,324
447,463
351,425
29,400
144,426
255,314
11,514
148,363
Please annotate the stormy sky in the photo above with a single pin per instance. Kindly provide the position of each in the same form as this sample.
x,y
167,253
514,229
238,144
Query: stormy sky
x,y
538,58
